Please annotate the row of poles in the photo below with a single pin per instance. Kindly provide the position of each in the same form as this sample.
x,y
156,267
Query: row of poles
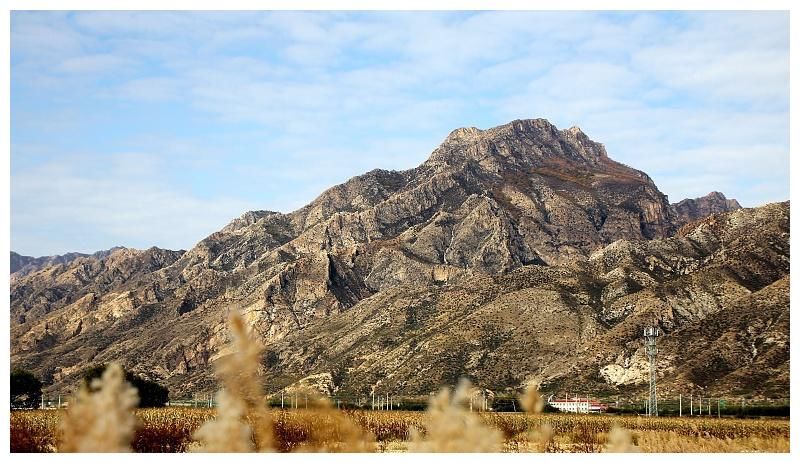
x,y
379,402
700,410
700,407
296,400
60,404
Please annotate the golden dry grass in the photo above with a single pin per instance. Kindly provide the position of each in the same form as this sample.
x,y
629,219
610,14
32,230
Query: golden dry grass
x,y
171,429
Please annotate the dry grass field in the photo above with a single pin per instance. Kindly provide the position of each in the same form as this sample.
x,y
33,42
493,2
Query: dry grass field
x,y
171,430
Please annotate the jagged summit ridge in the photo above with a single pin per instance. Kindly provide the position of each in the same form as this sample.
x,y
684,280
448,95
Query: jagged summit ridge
x,y
531,141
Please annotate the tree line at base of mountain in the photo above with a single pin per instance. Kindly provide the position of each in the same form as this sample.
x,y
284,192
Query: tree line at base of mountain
x,y
26,388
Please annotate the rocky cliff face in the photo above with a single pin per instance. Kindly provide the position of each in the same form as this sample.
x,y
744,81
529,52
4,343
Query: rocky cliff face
x,y
719,292
499,250
715,202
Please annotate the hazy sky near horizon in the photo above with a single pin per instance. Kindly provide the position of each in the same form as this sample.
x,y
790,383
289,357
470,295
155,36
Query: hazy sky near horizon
x,y
158,128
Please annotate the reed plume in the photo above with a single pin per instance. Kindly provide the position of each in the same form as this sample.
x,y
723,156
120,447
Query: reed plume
x,y
229,432
242,398
331,430
100,417
620,441
531,401
533,404
451,428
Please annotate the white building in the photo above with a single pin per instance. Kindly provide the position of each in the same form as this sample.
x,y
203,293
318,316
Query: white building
x,y
577,405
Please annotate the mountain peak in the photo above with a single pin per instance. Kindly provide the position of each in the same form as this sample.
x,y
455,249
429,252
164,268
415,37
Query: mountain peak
x,y
689,210
521,142
716,196
462,134
517,127
575,131
248,218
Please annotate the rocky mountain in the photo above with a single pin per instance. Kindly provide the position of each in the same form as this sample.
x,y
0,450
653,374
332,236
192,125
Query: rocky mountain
x,y
690,210
85,279
23,265
494,259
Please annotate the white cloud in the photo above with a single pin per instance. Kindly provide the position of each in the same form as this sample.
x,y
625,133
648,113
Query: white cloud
x,y
122,202
699,101
97,63
149,89
44,35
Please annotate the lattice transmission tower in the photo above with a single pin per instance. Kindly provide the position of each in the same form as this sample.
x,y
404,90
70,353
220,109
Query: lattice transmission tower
x,y
650,336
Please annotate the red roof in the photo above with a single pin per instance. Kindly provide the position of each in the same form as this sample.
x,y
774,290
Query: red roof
x,y
579,401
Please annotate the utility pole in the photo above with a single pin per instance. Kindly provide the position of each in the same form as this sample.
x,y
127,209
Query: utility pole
x,y
680,404
650,336
281,399
42,407
691,404
718,412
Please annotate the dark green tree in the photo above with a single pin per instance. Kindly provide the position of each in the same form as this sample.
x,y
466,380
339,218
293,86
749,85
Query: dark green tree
x,y
151,394
26,389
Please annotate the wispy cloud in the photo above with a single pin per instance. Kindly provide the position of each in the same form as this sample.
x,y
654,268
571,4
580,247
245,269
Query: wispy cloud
x,y
148,89
122,201
266,109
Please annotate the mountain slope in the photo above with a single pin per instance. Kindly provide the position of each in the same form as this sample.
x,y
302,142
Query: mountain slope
x,y
702,289
519,212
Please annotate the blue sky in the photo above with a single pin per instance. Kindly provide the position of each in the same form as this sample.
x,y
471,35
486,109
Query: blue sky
x,y
158,128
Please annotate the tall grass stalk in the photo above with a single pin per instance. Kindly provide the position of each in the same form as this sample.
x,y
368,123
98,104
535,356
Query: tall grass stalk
x,y
100,417
621,441
532,403
331,430
242,398
450,427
